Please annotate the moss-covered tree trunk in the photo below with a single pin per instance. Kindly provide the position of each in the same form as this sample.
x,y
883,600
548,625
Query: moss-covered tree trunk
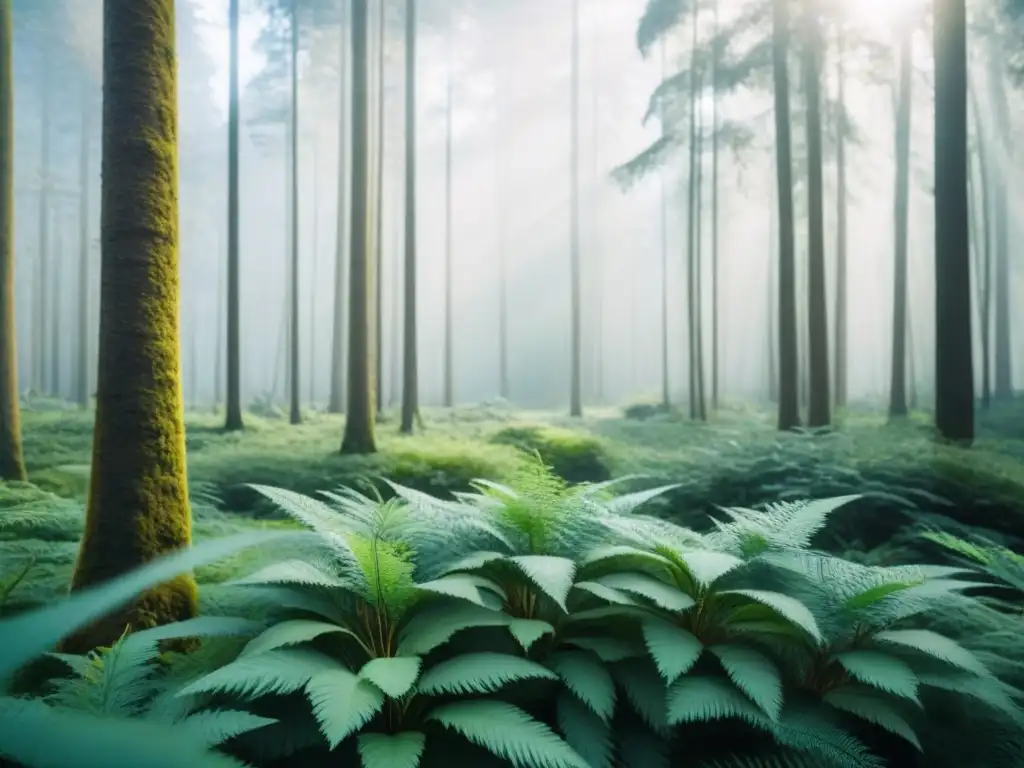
x,y
233,396
410,383
359,421
954,373
12,465
138,506
789,405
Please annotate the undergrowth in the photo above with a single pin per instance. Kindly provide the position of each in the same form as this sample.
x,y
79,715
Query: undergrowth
x,y
545,625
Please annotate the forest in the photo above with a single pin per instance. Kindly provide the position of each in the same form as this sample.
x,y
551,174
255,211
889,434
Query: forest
x,y
532,383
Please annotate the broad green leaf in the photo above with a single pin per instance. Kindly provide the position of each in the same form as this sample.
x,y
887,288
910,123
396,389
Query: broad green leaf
x,y
584,731
605,592
33,633
483,672
464,586
342,703
707,566
607,649
785,606
872,595
529,631
395,675
435,625
552,575
658,592
200,626
882,671
215,726
935,645
508,732
673,649
633,555
293,632
754,674
381,750
36,735
698,699
273,672
474,562
293,572
588,680
870,705
646,691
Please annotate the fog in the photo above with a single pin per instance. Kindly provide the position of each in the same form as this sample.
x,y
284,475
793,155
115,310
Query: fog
x,y
511,138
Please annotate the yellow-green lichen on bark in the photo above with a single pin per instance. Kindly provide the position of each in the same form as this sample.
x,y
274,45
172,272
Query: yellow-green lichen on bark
x,y
12,463
138,505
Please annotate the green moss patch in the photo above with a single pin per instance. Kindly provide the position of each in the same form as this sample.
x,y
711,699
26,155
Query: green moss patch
x,y
577,457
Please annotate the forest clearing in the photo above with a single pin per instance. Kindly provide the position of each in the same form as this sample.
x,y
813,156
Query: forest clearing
x,y
482,383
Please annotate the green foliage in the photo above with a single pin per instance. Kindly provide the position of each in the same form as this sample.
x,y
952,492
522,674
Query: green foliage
x,y
95,716
574,456
552,625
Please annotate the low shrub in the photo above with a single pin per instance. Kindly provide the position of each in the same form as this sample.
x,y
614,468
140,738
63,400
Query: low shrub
x,y
549,626
577,457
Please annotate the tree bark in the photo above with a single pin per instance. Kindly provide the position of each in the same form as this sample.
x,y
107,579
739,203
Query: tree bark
x,y
12,462
789,409
41,377
138,507
954,376
410,384
575,272
233,398
85,145
842,236
819,412
358,437
295,393
378,309
448,394
898,368
336,401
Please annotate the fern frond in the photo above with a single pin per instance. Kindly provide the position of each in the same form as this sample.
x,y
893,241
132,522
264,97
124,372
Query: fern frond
x,y
272,672
701,699
673,649
395,675
508,732
872,706
588,734
482,672
399,750
754,674
342,702
215,726
587,679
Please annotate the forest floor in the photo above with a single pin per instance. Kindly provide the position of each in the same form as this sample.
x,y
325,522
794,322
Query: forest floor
x,y
907,481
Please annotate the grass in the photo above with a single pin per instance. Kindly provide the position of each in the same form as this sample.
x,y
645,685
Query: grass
x,y
906,479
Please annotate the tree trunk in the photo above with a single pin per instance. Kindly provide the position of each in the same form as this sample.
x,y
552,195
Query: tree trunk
x,y
1003,138
841,226
313,279
138,506
666,395
56,314
295,414
954,376
410,383
770,321
218,363
984,254
359,437
715,340
575,273
449,366
233,398
41,377
378,309
698,261
898,380
819,410
691,231
336,401
12,463
85,144
499,181
789,410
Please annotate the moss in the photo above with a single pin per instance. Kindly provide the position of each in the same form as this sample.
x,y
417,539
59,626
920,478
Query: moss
x,y
138,498
575,456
